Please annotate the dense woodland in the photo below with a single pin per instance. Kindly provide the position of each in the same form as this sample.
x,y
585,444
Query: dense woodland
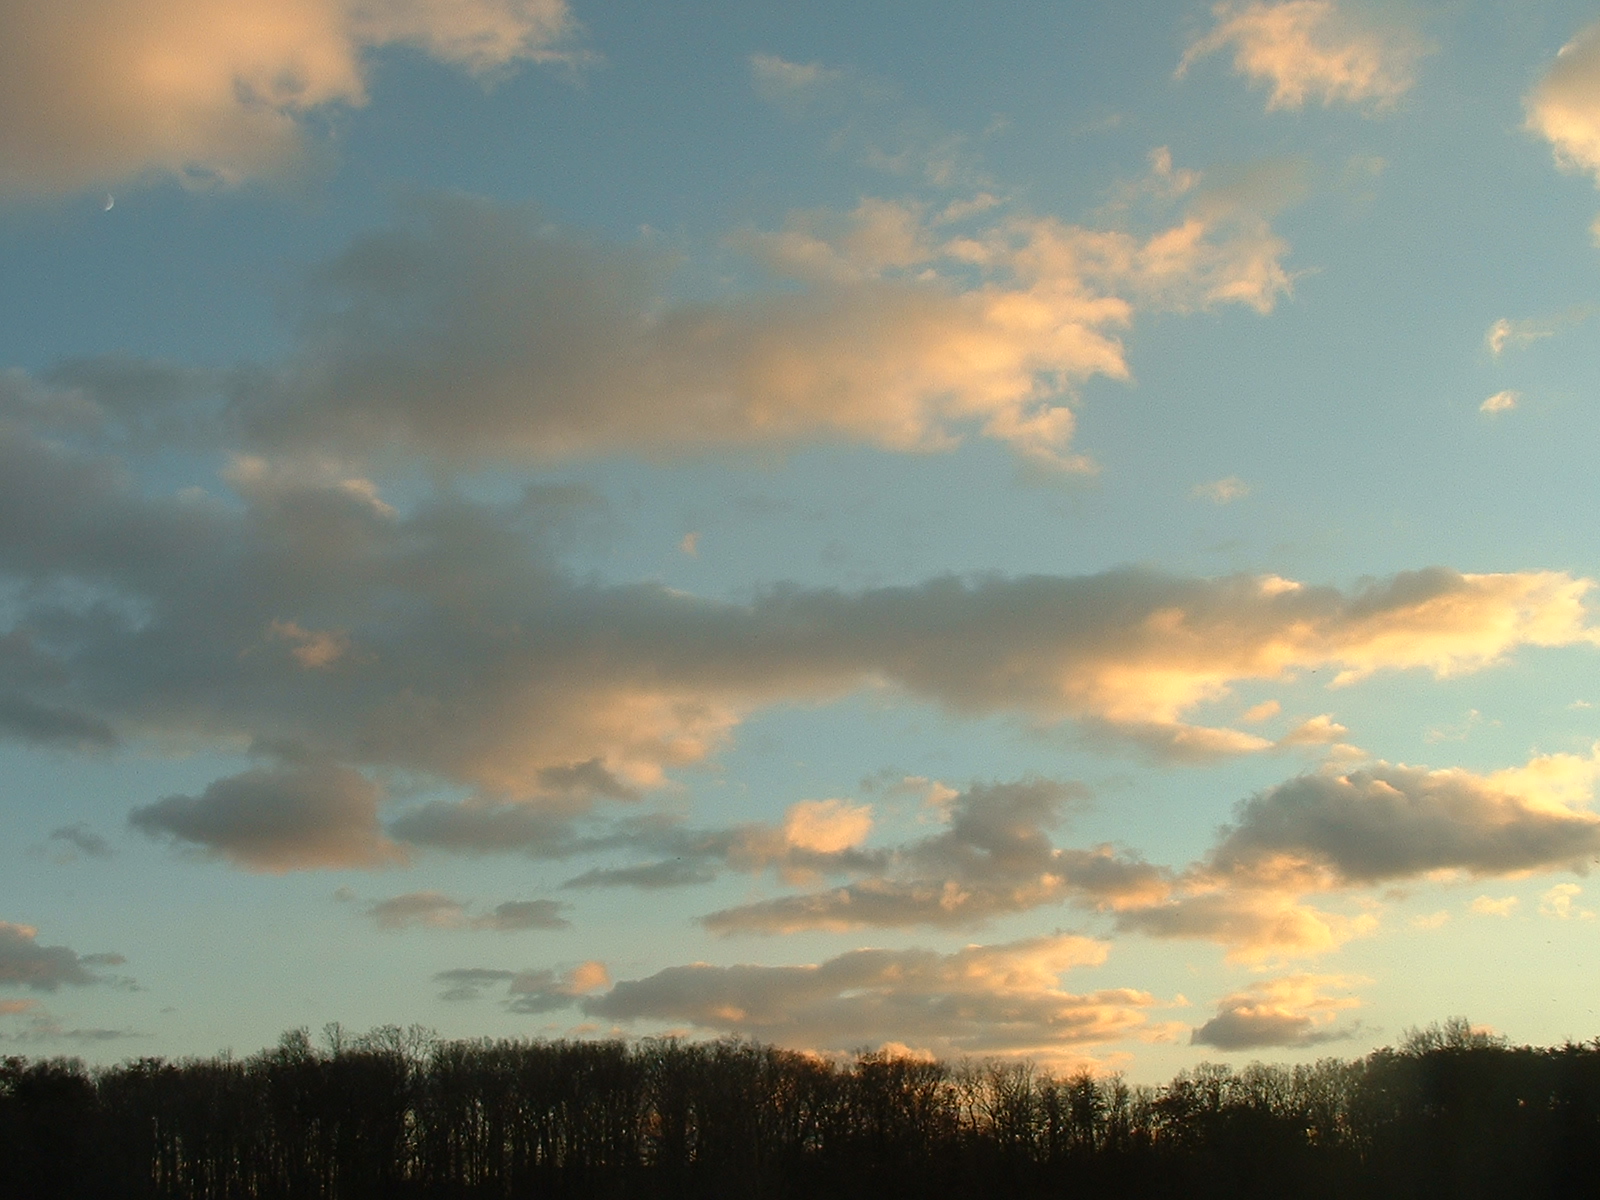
x,y
394,1113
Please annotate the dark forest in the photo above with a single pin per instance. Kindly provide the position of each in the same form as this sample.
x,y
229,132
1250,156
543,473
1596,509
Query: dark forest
x,y
399,1113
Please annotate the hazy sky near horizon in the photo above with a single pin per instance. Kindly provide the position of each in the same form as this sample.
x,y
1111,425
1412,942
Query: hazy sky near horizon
x,y
1066,532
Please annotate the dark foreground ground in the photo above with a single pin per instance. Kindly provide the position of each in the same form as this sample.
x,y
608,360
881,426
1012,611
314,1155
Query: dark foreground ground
x,y
399,1114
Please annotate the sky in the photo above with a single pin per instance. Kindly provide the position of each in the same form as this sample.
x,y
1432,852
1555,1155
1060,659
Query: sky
x,y
1062,533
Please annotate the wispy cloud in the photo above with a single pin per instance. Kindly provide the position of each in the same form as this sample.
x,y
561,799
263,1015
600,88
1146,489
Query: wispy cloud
x,y
1312,49
1222,491
435,910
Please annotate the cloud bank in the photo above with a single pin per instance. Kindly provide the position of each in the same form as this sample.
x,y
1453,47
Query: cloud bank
x,y
997,999
449,646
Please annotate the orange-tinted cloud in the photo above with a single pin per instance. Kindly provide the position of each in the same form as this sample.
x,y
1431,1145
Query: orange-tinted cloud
x,y
996,999
480,332
1564,107
1311,49
97,91
1291,1011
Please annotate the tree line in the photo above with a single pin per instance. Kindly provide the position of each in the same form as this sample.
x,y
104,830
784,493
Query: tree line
x,y
399,1113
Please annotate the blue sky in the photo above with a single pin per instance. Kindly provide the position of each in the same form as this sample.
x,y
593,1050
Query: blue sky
x,y
1059,534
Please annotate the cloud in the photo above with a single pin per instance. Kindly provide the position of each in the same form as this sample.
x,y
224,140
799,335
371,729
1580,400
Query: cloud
x,y
537,991
1256,922
469,658
1506,334
1559,902
1564,107
25,963
1488,906
435,910
1389,821
994,858
277,820
1341,831
44,725
827,826
479,332
781,81
1311,49
1222,491
667,873
997,999
1500,402
83,840
105,90
870,121
1291,1012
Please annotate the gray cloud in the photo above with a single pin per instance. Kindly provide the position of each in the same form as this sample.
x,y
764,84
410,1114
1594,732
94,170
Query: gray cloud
x,y
667,873
533,991
44,725
994,858
468,983
83,840
302,614
474,331
1391,821
523,914
25,963
289,819
977,1000
435,910
1294,1011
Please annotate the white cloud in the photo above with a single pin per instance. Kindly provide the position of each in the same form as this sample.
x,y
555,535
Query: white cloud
x,y
1311,49
1489,906
1515,335
97,91
1500,402
1560,902
779,80
827,826
1222,491
1564,108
